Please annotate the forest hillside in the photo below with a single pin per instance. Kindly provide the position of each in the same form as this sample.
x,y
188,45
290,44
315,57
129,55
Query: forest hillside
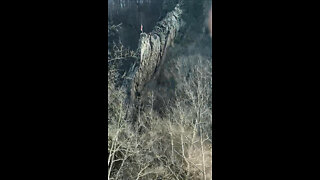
x,y
159,90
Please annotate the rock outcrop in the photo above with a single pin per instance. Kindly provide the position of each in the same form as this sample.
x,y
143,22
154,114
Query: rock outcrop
x,y
152,50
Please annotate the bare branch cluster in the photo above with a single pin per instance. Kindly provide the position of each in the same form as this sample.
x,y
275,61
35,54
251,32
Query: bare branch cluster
x,y
176,146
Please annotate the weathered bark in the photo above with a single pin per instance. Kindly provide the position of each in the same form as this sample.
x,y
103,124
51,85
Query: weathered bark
x,y
152,48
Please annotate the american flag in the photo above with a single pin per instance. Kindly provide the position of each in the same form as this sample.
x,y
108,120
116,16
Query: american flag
x,y
141,28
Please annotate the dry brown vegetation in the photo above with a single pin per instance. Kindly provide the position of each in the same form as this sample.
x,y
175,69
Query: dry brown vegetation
x,y
171,138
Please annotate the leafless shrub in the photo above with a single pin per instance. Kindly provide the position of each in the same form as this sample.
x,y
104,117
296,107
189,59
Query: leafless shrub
x,y
175,146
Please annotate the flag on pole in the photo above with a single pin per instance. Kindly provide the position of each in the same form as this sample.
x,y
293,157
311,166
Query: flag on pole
x,y
141,28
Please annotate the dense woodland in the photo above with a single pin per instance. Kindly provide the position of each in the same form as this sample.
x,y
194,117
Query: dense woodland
x,y
159,90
